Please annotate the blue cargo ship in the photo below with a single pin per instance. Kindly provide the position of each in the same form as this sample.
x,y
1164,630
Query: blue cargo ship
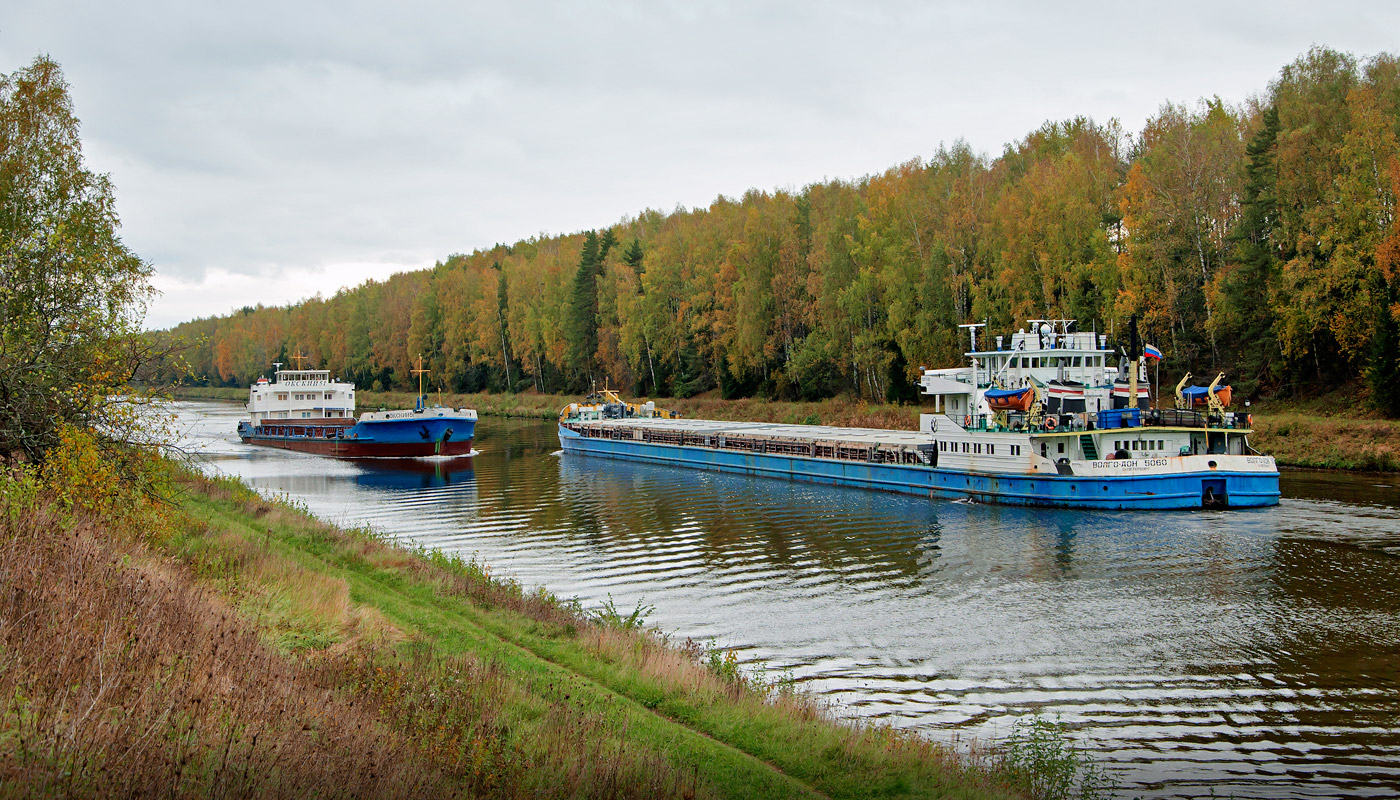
x,y
1079,441
305,410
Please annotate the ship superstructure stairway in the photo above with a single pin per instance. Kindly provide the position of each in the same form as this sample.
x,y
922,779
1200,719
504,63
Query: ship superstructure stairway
x,y
1086,444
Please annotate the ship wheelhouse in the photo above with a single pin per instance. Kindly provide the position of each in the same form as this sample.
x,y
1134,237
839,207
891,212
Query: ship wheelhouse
x,y
302,395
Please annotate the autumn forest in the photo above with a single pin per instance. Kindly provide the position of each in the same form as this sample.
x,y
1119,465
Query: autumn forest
x,y
1261,239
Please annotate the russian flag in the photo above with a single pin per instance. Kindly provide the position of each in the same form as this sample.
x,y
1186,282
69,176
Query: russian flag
x,y
1151,352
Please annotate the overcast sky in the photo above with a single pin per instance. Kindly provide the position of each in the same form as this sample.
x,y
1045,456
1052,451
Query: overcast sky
x,y
267,152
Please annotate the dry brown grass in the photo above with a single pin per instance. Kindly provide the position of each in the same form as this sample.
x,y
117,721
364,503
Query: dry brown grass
x,y
124,678
126,673
1305,440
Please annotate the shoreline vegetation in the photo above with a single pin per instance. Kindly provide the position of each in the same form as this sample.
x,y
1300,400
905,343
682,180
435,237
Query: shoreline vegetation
x,y
1304,435
208,641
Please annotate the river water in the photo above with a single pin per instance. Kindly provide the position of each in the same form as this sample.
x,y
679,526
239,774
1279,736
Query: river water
x,y
1195,654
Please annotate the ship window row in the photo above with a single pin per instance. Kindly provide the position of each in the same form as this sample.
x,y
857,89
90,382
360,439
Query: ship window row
x,y
1036,362
975,448
1139,444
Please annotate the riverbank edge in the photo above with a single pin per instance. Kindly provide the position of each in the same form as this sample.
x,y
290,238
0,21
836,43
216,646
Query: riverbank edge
x,y
1295,438
580,703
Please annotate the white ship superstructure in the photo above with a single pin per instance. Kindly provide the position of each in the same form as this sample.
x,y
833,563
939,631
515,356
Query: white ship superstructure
x,y
301,394
1071,368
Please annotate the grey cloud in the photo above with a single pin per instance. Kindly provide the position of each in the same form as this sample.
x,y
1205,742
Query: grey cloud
x,y
266,137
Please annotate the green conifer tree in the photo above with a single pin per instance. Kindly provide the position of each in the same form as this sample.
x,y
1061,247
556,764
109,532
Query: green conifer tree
x,y
632,257
1246,324
581,325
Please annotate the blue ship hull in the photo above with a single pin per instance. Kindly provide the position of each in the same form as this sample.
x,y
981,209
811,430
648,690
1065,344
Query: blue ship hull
x,y
1151,491
408,437
414,431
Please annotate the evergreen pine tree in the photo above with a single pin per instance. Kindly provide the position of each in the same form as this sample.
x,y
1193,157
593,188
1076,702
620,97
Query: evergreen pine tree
x,y
1244,288
606,242
581,326
632,257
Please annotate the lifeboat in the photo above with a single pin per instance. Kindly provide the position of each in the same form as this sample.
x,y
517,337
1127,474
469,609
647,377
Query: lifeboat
x,y
1010,399
1199,396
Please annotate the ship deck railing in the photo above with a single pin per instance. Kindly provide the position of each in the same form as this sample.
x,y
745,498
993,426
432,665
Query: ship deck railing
x,y
1115,419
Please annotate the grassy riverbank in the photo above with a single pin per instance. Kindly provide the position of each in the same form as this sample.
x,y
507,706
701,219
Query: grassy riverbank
x,y
1296,435
216,643
1299,439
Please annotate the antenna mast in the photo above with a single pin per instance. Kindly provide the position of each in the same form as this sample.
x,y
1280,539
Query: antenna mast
x,y
420,372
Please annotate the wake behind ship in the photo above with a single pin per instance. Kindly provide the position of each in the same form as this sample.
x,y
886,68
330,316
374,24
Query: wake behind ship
x,y
307,411
1043,422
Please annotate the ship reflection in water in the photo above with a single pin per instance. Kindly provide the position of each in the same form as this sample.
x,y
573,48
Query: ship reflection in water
x,y
1246,654
413,473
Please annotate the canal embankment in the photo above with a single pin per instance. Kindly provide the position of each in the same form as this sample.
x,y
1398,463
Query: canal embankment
x,y
184,635
1297,436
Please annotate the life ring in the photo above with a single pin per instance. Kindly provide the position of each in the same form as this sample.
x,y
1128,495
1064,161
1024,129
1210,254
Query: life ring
x,y
1249,420
967,421
1051,423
